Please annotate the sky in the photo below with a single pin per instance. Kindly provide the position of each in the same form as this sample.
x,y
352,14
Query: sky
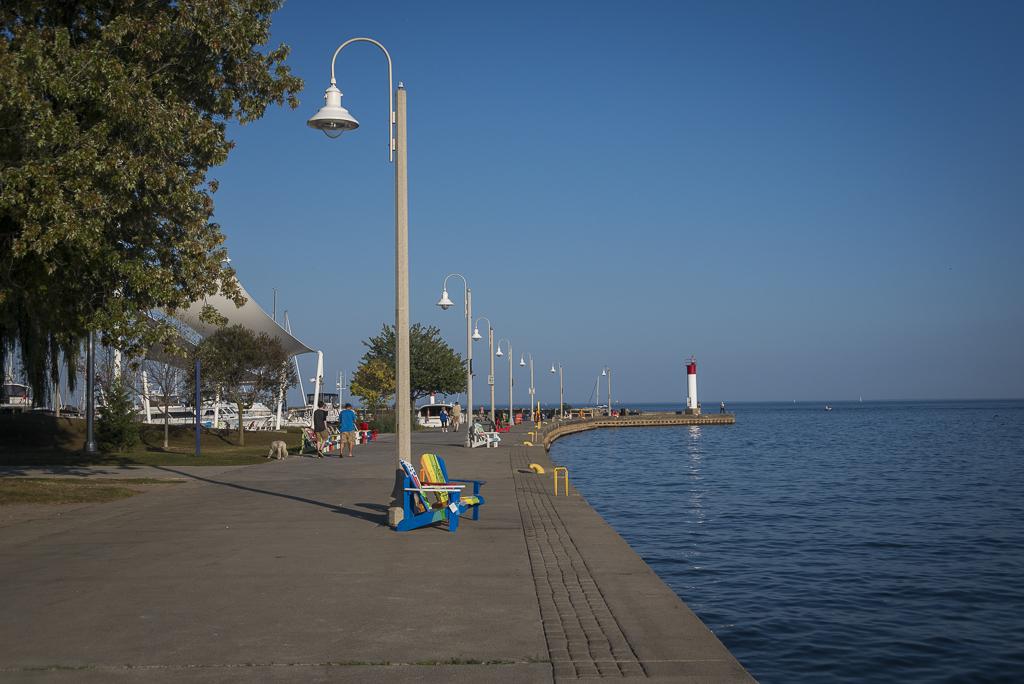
x,y
819,201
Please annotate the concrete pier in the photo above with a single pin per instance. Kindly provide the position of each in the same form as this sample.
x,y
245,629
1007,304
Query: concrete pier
x,y
287,572
553,430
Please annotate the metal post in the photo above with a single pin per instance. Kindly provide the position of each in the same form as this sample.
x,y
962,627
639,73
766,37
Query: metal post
x,y
403,384
511,418
199,406
90,394
490,378
561,411
275,305
609,392
469,365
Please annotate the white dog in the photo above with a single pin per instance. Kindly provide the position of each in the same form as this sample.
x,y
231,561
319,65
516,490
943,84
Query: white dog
x,y
278,449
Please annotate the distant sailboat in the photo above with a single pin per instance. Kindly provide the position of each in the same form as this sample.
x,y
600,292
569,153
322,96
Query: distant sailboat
x,y
827,407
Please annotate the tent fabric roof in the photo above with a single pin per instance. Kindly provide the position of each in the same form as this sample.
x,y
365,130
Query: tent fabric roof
x,y
250,315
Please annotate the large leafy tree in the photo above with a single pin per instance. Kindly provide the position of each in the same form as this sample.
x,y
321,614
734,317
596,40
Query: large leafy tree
x,y
243,368
434,366
112,112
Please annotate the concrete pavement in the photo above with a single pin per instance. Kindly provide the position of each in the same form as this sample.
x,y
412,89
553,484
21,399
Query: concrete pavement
x,y
287,572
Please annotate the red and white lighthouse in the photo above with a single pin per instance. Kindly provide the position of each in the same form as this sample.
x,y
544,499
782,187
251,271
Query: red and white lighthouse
x,y
692,405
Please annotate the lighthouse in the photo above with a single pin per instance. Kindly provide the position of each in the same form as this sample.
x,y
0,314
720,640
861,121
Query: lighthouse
x,y
692,406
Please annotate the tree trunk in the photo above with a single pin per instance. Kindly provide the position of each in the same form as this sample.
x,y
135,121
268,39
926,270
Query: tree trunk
x,y
167,420
241,424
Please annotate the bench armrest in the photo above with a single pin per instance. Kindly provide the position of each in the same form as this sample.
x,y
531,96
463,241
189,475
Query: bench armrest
x,y
452,479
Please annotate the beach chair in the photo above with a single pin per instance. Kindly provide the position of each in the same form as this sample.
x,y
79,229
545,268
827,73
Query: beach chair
x,y
434,498
479,437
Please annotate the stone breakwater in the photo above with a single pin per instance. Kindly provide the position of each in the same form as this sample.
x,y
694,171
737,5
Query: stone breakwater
x,y
552,431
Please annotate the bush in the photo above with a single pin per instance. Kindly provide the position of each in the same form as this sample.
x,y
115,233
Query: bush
x,y
117,427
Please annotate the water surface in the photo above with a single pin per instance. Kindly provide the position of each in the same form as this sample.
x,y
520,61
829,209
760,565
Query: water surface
x,y
875,542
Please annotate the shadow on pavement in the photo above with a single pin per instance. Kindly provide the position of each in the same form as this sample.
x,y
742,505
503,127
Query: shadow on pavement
x,y
380,519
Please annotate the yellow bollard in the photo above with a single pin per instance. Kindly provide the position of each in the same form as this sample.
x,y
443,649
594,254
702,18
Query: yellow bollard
x,y
565,473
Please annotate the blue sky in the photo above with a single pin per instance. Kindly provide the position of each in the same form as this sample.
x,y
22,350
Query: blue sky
x,y
819,200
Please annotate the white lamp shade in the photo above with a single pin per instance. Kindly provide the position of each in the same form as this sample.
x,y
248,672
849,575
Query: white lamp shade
x,y
476,333
445,303
522,360
604,372
333,119
499,352
552,368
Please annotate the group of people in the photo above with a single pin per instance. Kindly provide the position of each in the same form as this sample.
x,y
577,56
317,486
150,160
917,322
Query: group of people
x,y
455,418
346,425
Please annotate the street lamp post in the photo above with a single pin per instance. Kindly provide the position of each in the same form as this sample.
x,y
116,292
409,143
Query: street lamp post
x,y
490,344
606,371
561,388
533,391
499,353
445,303
333,120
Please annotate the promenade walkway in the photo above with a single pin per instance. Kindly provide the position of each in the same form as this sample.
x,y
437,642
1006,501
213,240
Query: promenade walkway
x,y
287,572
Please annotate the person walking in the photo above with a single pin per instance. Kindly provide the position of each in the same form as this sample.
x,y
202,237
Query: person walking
x,y
456,417
320,428
347,424
444,419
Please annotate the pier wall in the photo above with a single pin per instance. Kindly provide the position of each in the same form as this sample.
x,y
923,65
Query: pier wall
x,y
553,430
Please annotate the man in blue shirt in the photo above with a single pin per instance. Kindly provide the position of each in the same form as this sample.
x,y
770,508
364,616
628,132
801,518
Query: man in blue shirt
x,y
347,423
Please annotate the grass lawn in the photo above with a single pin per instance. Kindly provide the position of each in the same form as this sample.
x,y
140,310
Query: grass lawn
x,y
70,490
32,439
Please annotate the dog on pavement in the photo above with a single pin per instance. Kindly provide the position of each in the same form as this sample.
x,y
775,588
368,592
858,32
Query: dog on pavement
x,y
278,449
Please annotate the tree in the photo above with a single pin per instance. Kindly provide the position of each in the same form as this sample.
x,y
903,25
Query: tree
x,y
374,383
434,366
117,427
243,368
112,114
165,380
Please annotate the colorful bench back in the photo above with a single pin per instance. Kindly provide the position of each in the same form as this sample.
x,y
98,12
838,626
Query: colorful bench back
x,y
421,502
432,470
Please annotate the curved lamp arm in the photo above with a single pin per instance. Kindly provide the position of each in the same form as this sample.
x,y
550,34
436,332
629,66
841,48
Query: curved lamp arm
x,y
476,326
509,343
391,88
444,290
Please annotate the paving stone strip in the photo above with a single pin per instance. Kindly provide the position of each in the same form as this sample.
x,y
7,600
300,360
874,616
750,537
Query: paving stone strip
x,y
583,638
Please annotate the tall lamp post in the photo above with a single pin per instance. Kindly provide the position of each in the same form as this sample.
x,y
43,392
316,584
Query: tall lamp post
x,y
490,344
333,120
561,387
499,354
533,391
445,303
606,371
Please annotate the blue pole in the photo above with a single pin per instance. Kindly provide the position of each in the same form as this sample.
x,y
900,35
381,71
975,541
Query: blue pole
x,y
199,408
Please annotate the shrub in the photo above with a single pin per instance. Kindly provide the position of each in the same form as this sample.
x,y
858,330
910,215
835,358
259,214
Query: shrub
x,y
117,427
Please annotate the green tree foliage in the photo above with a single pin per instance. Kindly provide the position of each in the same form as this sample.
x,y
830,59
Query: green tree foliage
x,y
112,112
434,366
117,427
374,383
243,368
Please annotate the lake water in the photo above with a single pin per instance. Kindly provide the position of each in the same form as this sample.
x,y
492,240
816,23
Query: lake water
x,y
877,542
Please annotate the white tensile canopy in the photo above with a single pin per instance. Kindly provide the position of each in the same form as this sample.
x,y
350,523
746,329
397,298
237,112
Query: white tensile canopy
x,y
250,315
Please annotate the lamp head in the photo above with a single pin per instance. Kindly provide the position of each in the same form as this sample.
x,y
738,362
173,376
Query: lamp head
x,y
476,334
553,368
604,372
445,302
499,353
522,360
333,119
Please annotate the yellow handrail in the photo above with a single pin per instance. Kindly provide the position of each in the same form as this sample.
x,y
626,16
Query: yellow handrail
x,y
565,473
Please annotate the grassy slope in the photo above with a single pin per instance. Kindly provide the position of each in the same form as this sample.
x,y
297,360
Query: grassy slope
x,y
35,439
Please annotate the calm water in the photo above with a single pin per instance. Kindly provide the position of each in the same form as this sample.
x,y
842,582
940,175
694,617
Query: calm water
x,y
879,542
